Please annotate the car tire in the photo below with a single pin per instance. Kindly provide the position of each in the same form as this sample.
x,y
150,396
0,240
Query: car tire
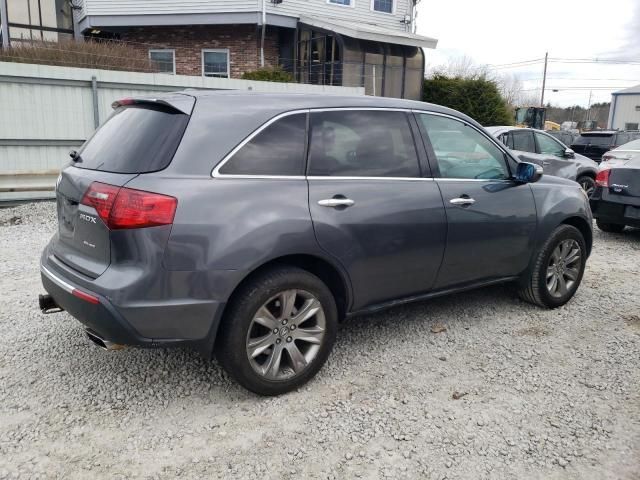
x,y
610,227
554,267
587,183
266,343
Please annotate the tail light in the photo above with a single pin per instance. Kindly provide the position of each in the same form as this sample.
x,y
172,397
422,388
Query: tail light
x,y
121,207
602,178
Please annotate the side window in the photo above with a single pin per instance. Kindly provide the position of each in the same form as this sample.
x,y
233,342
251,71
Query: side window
x,y
549,146
362,143
276,150
523,141
463,152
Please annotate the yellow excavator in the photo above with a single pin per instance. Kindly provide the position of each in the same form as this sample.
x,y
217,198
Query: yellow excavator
x,y
530,117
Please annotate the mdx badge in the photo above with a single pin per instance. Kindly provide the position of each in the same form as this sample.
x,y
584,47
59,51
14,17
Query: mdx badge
x,y
88,218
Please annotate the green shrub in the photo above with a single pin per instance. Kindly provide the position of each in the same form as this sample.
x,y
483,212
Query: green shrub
x,y
268,75
478,97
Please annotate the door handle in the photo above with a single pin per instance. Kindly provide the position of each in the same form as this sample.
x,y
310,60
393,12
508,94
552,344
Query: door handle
x,y
336,202
462,201
545,163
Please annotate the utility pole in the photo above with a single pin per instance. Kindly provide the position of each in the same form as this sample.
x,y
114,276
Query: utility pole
x,y
589,107
544,78
4,24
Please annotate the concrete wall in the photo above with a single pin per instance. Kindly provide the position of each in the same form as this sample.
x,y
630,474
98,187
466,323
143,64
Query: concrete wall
x,y
47,110
623,110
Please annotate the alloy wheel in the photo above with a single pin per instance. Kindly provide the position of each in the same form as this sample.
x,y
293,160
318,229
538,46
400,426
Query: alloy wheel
x,y
588,186
564,268
285,334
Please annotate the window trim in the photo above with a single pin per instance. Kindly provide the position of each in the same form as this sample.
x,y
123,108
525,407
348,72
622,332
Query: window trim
x,y
433,162
173,55
215,172
352,4
394,4
216,50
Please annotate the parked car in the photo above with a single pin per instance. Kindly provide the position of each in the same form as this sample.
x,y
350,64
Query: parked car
x,y
616,200
250,224
566,137
596,144
621,154
539,147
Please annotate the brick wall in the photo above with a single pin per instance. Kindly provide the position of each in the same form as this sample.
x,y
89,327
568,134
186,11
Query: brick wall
x,y
243,42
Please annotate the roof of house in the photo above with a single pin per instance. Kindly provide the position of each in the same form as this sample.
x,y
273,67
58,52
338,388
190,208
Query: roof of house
x,y
370,32
635,89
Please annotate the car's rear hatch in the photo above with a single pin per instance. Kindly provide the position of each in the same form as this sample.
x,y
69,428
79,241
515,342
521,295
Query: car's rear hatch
x,y
593,144
140,137
624,183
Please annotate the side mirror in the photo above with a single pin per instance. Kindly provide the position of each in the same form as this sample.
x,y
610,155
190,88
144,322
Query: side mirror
x,y
528,172
568,153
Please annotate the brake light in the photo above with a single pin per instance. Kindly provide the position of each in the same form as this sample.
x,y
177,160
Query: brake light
x,y
121,207
602,178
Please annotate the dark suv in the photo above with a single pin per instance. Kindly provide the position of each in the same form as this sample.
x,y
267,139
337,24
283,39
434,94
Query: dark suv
x,y
250,224
596,144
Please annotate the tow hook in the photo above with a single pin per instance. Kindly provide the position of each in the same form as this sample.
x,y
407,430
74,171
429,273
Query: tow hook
x,y
48,304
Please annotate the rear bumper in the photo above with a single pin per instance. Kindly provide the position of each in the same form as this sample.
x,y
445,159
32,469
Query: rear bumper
x,y
123,315
611,212
102,317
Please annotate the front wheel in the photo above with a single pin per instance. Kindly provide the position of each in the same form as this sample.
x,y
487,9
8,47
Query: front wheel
x,y
558,269
278,331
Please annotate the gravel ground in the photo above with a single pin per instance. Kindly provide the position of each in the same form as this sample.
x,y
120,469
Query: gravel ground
x,y
474,386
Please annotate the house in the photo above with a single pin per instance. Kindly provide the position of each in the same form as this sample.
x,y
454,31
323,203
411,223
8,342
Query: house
x,y
367,43
625,109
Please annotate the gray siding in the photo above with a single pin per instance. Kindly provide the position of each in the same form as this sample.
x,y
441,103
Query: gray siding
x,y
361,11
623,110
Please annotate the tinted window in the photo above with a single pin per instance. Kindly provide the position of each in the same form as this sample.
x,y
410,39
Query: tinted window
x,y
134,140
276,150
549,146
603,140
523,141
463,152
362,144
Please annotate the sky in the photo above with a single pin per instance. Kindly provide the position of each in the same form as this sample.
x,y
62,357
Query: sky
x,y
499,32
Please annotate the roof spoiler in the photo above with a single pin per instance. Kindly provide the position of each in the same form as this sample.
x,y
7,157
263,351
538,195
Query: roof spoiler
x,y
179,103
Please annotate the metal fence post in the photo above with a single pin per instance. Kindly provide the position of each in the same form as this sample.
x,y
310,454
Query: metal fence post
x,y
96,109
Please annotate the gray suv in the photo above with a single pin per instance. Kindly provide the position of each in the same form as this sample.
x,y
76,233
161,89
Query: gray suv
x,y
249,225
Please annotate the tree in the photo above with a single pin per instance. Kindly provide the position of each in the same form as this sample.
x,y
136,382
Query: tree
x,y
477,96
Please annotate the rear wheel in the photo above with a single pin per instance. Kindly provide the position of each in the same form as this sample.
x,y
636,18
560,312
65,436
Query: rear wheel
x,y
558,269
588,184
278,331
610,227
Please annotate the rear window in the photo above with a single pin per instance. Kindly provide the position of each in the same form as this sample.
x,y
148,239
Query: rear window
x,y
135,139
604,140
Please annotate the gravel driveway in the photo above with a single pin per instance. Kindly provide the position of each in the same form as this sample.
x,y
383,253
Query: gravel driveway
x,y
478,385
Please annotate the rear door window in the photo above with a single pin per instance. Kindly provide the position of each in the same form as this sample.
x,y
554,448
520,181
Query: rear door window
x,y
362,143
135,139
523,141
277,150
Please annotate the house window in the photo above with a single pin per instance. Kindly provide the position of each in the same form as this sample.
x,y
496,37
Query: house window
x,y
385,6
215,63
163,60
344,3
631,126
